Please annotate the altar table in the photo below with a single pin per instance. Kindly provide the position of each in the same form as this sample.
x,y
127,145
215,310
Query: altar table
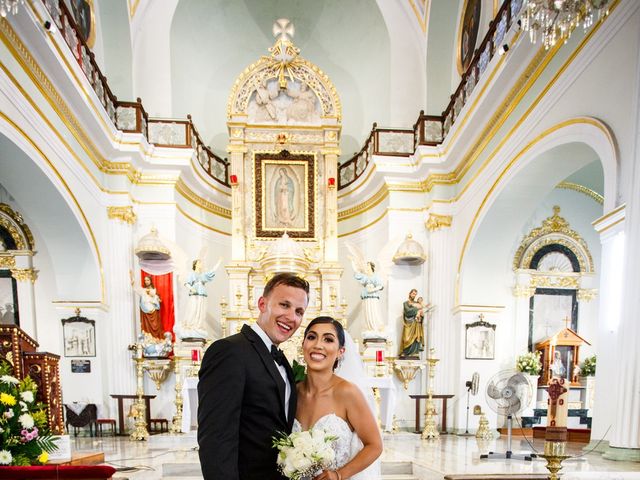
x,y
189,404
121,398
444,399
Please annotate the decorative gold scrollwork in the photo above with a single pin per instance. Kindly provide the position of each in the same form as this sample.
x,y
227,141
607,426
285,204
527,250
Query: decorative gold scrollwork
x,y
124,214
436,222
24,274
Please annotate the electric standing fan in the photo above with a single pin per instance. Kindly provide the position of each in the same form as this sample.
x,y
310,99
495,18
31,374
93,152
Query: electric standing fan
x,y
472,389
508,392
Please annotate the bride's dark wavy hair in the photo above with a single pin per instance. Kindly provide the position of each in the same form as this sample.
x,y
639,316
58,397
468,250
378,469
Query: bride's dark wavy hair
x,y
336,324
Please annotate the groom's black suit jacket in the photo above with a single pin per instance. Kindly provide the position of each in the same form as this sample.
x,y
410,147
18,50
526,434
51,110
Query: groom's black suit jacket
x,y
241,407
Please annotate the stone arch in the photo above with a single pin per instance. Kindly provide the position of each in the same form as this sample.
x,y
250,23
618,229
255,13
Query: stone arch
x,y
590,136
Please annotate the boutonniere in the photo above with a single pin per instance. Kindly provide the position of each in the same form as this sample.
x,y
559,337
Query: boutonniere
x,y
299,371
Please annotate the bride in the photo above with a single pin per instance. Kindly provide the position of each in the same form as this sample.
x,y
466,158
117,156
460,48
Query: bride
x,y
328,401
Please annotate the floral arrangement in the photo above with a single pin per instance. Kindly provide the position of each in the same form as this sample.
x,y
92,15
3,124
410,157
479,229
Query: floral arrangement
x,y
303,454
529,363
588,367
24,432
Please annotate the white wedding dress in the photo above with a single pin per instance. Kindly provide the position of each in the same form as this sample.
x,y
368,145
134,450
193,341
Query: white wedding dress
x,y
346,446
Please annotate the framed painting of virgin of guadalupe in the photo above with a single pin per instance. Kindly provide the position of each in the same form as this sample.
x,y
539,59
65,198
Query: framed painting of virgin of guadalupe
x,y
468,34
284,193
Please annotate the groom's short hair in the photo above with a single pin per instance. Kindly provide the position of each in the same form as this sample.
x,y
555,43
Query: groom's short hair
x,y
288,279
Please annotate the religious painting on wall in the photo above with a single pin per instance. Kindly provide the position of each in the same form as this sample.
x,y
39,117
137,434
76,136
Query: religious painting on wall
x,y
284,193
79,337
84,15
468,34
8,299
480,341
551,310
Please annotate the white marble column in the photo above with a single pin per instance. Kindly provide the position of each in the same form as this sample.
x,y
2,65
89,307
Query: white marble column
x,y
238,205
25,277
120,372
625,431
331,204
441,280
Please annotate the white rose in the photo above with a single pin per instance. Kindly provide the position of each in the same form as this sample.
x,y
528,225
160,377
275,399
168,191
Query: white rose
x,y
300,462
23,406
26,420
27,396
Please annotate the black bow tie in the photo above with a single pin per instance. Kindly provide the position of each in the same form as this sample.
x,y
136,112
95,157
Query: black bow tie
x,y
277,355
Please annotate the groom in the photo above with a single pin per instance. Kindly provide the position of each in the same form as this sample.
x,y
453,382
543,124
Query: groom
x,y
246,390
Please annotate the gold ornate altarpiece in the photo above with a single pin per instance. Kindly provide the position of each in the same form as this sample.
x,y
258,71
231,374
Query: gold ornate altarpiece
x,y
284,127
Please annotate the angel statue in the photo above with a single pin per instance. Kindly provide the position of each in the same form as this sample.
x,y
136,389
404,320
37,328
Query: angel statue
x,y
370,293
192,324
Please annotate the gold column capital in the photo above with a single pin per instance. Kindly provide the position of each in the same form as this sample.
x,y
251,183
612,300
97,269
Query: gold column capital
x,y
24,274
587,294
124,214
331,151
524,291
233,148
436,222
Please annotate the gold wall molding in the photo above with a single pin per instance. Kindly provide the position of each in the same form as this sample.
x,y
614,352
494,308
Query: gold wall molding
x,y
555,281
368,204
184,190
198,222
582,189
124,214
436,222
24,274
364,227
7,261
421,21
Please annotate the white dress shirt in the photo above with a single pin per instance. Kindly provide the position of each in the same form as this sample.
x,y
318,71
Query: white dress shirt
x,y
283,371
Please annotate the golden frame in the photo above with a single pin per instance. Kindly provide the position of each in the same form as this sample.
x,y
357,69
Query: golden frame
x,y
73,7
284,194
472,10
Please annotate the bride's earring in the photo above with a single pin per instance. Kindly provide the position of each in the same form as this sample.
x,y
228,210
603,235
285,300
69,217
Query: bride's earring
x,y
338,362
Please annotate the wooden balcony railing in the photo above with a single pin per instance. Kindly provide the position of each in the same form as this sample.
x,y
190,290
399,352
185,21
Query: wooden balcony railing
x,y
433,129
131,117
428,129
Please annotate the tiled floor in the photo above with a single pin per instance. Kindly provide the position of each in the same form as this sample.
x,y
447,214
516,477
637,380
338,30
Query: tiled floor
x,y
174,457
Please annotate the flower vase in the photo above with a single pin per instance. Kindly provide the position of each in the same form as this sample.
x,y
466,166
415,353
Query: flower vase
x,y
527,411
587,394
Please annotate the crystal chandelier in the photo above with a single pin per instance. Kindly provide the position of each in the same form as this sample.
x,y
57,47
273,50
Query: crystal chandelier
x,y
9,6
555,19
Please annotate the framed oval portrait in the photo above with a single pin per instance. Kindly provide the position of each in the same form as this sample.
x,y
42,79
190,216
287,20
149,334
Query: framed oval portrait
x,y
84,16
468,33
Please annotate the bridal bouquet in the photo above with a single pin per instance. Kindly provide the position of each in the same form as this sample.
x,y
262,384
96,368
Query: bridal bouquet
x,y
24,432
303,454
